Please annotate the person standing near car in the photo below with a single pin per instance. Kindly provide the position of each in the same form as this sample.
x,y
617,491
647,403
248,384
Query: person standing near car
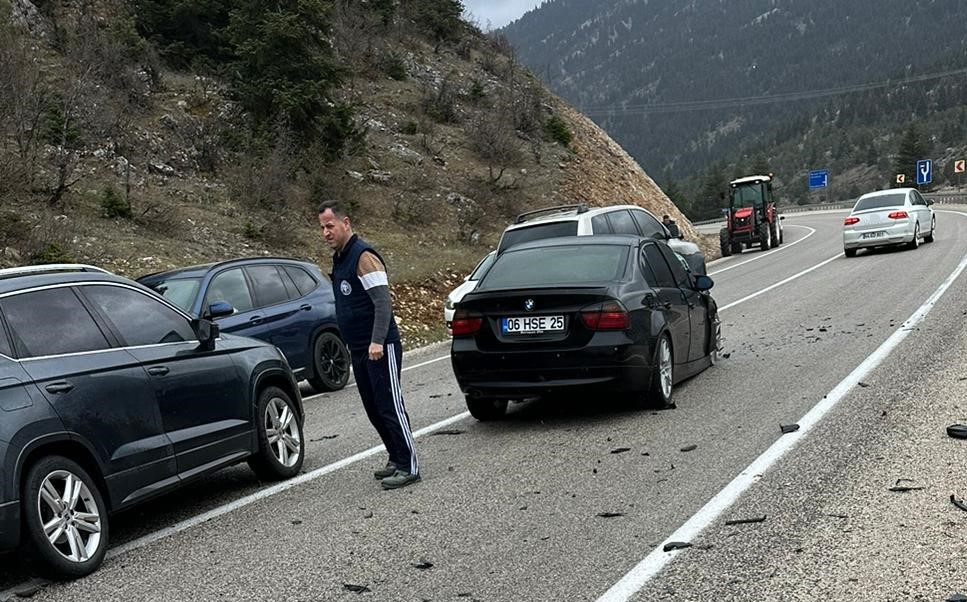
x,y
364,311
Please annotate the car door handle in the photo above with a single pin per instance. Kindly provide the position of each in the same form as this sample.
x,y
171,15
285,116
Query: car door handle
x,y
255,320
60,387
158,370
305,307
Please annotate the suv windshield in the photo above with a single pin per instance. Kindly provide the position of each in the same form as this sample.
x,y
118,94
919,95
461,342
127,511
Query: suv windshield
x,y
883,200
567,265
747,195
537,232
180,291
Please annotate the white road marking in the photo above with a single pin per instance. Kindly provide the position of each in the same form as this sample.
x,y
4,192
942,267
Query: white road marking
x,y
768,253
353,384
655,561
780,283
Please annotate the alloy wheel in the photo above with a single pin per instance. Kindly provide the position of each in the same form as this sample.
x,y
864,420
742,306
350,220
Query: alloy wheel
x,y
70,517
282,432
665,367
333,361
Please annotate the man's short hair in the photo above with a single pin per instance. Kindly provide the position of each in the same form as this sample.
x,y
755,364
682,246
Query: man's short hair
x,y
335,206
665,216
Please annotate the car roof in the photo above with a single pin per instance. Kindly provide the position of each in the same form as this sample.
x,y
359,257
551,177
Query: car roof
x,y
200,270
886,192
570,214
17,279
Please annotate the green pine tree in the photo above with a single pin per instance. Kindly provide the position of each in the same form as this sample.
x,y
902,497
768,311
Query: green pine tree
x,y
911,150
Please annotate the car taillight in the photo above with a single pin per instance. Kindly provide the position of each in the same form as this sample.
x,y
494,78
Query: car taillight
x,y
465,324
898,215
851,220
610,315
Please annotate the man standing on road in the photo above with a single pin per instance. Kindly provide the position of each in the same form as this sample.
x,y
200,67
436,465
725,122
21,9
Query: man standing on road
x,y
364,312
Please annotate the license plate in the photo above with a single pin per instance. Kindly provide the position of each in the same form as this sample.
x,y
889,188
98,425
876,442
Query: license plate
x,y
532,324
873,235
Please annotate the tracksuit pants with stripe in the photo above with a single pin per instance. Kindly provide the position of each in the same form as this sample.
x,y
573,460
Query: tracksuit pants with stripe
x,y
379,387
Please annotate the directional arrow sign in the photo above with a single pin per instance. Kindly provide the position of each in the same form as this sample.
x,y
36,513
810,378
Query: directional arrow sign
x,y
901,178
924,171
818,178
960,166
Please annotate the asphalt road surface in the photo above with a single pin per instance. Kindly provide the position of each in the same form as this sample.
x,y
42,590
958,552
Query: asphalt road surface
x,y
574,500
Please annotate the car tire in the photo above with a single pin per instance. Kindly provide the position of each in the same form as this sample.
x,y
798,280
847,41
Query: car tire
x,y
850,252
765,237
736,248
76,550
773,236
782,235
915,243
661,388
933,228
724,245
330,363
486,409
281,443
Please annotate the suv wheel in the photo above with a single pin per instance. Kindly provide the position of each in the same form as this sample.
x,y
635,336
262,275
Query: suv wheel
x,y
279,429
330,363
65,517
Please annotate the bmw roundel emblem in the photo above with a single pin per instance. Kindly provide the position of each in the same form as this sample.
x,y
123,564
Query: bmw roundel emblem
x,y
529,305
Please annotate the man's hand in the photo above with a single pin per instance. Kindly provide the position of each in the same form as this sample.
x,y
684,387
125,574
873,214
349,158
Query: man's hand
x,y
375,351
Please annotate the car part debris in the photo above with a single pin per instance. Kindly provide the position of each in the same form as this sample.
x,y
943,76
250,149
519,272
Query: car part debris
x,y
957,431
958,502
610,514
621,450
901,488
746,521
359,589
788,428
676,545
423,565
689,448
863,384
449,432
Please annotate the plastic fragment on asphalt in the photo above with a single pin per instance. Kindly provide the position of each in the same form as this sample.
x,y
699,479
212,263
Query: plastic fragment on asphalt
x,y
621,450
957,431
368,514
788,428
297,522
448,432
610,514
689,448
746,521
423,565
359,589
958,502
901,488
726,355
676,545
863,384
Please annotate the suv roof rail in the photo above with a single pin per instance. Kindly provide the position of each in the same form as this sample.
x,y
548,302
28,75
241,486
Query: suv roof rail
x,y
523,217
50,268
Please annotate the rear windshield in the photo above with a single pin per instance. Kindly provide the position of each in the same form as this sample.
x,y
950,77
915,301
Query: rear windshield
x,y
180,291
482,267
564,265
882,200
537,232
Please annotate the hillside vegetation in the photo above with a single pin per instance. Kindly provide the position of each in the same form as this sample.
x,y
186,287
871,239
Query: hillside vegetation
x,y
147,135
701,92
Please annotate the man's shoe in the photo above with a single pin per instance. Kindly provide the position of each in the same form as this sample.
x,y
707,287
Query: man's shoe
x,y
382,473
400,479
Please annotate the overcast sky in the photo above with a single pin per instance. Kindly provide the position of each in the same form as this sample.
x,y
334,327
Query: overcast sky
x,y
498,12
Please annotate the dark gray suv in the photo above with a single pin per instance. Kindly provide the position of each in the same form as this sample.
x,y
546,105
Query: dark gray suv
x,y
110,396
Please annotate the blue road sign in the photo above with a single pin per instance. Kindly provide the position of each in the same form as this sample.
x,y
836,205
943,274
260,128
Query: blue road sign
x,y
924,171
818,178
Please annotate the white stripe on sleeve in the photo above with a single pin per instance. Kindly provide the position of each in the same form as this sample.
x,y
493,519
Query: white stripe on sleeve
x,y
374,279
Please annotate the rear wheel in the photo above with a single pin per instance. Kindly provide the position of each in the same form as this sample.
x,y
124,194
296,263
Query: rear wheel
x,y
485,409
773,235
330,363
736,248
724,245
850,252
65,517
933,228
279,430
765,237
915,243
660,390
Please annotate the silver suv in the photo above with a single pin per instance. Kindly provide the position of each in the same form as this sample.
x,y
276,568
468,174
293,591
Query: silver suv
x,y
581,220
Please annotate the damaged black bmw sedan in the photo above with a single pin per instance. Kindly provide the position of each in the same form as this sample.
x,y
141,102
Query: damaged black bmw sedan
x,y
596,314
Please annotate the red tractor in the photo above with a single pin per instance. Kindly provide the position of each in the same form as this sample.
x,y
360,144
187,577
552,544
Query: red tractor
x,y
752,218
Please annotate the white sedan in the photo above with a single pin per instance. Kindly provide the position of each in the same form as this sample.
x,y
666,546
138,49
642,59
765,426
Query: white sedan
x,y
889,217
469,283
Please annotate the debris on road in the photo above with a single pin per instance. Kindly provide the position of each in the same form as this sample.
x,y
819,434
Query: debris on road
x,y
958,502
368,514
324,437
359,589
610,514
297,522
423,565
746,521
676,545
788,428
689,448
957,431
863,384
621,450
897,487
448,432
726,355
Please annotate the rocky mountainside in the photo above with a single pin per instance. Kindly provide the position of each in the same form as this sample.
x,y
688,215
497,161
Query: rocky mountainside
x,y
112,154
808,84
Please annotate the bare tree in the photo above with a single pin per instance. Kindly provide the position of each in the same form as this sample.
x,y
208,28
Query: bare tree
x,y
495,141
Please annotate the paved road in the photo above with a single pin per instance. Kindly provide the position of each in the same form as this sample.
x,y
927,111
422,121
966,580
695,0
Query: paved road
x,y
510,510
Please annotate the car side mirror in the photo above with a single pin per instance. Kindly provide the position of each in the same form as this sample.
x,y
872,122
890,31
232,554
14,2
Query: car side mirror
x,y
703,283
206,331
782,217
219,309
929,202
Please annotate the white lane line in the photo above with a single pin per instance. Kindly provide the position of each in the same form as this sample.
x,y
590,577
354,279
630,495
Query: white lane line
x,y
768,253
655,561
353,384
780,283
